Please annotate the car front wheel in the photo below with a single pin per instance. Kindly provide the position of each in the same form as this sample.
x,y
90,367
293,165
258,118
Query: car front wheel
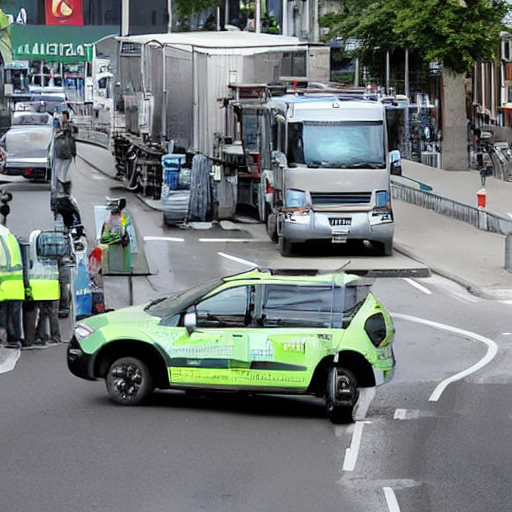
x,y
128,381
341,395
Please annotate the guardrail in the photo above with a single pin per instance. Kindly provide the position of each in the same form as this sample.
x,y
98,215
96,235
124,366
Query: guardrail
x,y
477,217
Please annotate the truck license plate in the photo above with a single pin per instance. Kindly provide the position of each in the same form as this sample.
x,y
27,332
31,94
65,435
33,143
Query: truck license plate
x,y
339,239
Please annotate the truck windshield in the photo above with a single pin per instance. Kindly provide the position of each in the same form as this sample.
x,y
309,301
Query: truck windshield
x,y
347,145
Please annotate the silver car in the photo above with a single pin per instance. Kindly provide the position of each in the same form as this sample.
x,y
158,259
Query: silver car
x,y
27,145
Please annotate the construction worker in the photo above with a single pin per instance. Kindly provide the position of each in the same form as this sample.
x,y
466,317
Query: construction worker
x,y
46,248
12,290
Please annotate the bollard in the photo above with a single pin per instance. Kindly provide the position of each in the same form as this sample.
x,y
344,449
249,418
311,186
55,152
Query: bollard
x,y
508,252
481,198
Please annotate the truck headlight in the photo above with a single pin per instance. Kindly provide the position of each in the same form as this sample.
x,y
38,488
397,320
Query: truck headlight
x,y
382,200
83,331
295,202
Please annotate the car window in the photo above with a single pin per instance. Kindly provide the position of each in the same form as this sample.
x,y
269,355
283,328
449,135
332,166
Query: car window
x,y
229,308
297,306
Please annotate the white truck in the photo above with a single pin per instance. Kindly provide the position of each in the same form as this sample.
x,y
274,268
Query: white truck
x,y
175,87
331,170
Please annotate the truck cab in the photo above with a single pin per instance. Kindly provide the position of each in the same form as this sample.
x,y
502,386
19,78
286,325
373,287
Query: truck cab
x,y
331,172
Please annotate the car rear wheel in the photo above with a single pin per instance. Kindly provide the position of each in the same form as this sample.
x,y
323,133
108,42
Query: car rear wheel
x,y
129,381
341,395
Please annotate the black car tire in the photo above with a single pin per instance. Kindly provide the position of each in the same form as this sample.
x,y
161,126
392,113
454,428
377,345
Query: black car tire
x,y
285,247
128,381
341,395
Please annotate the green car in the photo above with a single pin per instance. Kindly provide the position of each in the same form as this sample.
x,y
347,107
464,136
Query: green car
x,y
261,331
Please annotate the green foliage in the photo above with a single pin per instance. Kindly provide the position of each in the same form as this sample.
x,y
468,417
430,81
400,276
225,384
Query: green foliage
x,y
187,7
5,38
454,32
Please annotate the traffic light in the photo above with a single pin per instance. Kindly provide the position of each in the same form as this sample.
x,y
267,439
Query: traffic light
x,y
5,209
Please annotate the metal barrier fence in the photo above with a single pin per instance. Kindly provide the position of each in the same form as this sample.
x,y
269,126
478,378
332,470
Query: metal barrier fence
x,y
477,217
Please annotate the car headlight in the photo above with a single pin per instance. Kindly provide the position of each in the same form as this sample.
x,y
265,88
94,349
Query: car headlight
x,y
375,327
83,331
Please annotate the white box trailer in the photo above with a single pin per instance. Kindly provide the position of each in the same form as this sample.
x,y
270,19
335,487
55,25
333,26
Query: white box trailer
x,y
174,84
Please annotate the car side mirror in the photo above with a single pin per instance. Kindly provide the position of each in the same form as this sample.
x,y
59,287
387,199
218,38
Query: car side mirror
x,y
190,322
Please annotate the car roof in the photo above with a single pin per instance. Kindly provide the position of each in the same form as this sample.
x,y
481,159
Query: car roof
x,y
305,277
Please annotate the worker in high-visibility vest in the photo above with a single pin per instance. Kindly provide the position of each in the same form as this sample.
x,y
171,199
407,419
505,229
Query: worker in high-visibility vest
x,y
46,247
12,290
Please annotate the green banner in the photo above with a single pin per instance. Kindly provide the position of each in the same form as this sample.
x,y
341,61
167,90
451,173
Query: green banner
x,y
57,44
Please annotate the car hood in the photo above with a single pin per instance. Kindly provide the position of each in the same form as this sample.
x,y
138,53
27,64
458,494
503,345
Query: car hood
x,y
125,318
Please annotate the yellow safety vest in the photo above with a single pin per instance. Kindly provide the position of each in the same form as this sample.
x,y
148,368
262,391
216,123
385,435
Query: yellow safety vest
x,y
11,267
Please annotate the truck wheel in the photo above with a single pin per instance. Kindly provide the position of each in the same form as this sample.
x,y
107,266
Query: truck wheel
x,y
271,227
387,248
285,247
130,177
341,395
128,381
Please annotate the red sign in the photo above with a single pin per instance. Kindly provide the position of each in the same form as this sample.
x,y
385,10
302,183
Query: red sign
x,y
64,12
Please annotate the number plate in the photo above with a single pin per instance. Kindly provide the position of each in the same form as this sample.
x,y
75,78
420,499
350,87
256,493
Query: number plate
x,y
336,221
339,239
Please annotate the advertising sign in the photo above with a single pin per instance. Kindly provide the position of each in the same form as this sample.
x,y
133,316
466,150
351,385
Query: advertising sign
x,y
64,12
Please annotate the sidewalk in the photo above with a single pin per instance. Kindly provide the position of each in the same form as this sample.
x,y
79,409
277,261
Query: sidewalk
x,y
451,248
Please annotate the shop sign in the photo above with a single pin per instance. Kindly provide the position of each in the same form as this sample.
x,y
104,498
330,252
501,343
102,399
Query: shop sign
x,y
46,51
64,12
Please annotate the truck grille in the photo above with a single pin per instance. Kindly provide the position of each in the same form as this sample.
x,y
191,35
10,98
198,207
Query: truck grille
x,y
345,198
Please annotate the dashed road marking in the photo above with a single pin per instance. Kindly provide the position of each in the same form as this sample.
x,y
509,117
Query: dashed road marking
x,y
162,239
231,240
238,260
417,285
391,500
352,452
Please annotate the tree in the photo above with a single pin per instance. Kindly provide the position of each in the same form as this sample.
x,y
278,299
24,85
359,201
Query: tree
x,y
456,33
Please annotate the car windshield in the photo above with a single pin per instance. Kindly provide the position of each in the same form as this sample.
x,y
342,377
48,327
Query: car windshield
x,y
31,119
346,145
168,306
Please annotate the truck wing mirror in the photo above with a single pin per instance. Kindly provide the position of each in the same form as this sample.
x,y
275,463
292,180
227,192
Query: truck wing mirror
x,y
278,158
395,162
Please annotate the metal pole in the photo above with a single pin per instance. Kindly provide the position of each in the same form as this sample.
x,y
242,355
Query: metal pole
x,y
130,288
284,14
508,252
257,18
406,113
125,17
387,72
169,15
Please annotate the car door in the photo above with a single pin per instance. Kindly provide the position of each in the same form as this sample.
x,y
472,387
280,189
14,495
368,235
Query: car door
x,y
296,320
219,343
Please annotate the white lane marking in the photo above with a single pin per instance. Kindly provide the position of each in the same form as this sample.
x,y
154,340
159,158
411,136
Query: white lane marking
x,y
8,358
418,286
492,350
162,239
366,396
238,260
406,414
391,500
352,452
228,240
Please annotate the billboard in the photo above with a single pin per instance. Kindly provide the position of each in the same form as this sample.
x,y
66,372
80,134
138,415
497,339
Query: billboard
x,y
64,12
